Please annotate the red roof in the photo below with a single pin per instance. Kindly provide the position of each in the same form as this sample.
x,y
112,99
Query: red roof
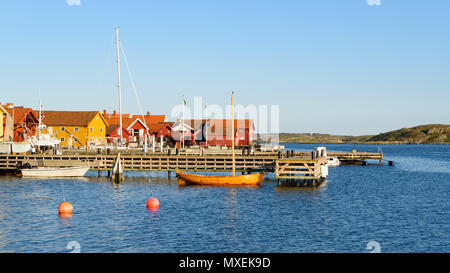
x,y
126,121
149,119
156,127
146,119
19,113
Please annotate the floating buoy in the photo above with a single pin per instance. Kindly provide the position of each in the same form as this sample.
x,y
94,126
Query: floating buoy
x,y
152,203
65,215
65,208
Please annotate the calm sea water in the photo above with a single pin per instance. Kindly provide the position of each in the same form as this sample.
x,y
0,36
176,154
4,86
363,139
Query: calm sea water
x,y
405,208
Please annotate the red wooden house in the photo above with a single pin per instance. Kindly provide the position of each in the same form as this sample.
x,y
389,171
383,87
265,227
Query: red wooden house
x,y
25,122
159,129
219,132
134,129
214,132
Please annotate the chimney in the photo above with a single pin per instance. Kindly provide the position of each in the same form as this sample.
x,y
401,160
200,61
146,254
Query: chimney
x,y
114,112
104,113
148,113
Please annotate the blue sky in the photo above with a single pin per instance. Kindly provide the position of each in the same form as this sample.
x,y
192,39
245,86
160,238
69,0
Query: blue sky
x,y
340,67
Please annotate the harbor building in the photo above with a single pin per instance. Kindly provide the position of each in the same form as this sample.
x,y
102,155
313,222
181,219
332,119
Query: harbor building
x,y
76,128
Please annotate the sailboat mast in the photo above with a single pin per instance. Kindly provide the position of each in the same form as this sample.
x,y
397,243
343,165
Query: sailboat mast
x,y
40,119
232,134
118,86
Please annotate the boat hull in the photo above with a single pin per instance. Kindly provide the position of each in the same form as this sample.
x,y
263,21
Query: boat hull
x,y
217,180
55,172
333,162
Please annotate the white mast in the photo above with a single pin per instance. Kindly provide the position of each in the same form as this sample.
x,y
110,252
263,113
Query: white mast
x,y
206,125
40,119
118,86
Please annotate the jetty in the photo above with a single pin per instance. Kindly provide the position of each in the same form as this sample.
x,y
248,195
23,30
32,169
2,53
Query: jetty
x,y
357,158
301,168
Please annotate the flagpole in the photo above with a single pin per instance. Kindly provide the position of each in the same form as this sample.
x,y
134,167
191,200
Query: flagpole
x,y
184,106
206,126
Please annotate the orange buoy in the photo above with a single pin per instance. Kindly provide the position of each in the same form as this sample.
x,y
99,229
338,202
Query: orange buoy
x,y
152,203
65,215
65,208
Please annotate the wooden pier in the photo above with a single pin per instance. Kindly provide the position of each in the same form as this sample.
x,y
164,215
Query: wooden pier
x,y
356,158
144,162
301,168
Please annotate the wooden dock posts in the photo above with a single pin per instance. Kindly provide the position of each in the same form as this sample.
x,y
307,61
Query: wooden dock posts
x,y
117,171
301,171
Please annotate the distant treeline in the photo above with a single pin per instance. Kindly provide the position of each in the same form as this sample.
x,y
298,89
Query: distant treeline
x,y
423,134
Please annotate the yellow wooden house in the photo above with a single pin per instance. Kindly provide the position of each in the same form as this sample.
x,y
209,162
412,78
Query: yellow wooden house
x,y
76,128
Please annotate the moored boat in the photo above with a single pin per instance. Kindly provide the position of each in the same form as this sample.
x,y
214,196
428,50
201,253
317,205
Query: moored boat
x,y
225,180
333,161
55,172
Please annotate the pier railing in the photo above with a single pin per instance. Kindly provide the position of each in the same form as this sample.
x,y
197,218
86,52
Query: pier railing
x,y
299,168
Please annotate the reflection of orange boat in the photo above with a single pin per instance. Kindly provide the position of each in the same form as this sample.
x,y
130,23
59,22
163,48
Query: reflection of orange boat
x,y
226,180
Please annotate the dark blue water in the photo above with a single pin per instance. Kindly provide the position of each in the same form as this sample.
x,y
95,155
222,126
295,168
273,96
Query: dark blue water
x,y
404,208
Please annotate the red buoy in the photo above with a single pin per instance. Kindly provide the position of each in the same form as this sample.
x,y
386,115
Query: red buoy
x,y
65,208
152,203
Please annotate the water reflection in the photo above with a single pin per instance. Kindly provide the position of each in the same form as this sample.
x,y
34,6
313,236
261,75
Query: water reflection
x,y
153,214
65,219
292,186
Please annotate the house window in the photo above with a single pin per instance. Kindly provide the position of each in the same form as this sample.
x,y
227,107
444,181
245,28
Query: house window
x,y
92,129
62,139
63,129
101,129
75,129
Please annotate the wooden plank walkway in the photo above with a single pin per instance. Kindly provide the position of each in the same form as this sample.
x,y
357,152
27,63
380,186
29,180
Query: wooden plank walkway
x,y
348,158
301,168
144,162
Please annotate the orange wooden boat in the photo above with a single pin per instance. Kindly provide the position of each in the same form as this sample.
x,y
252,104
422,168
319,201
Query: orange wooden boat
x,y
222,180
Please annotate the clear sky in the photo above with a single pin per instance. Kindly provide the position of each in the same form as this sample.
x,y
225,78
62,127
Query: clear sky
x,y
340,67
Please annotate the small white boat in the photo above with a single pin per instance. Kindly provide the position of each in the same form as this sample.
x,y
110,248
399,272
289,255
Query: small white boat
x,y
270,148
55,172
333,161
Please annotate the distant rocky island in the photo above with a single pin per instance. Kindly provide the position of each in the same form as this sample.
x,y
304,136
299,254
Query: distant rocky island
x,y
423,134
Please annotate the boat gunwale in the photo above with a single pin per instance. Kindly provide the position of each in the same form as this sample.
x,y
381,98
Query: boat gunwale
x,y
190,179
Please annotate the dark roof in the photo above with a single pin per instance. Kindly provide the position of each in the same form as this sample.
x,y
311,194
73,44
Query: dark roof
x,y
68,118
